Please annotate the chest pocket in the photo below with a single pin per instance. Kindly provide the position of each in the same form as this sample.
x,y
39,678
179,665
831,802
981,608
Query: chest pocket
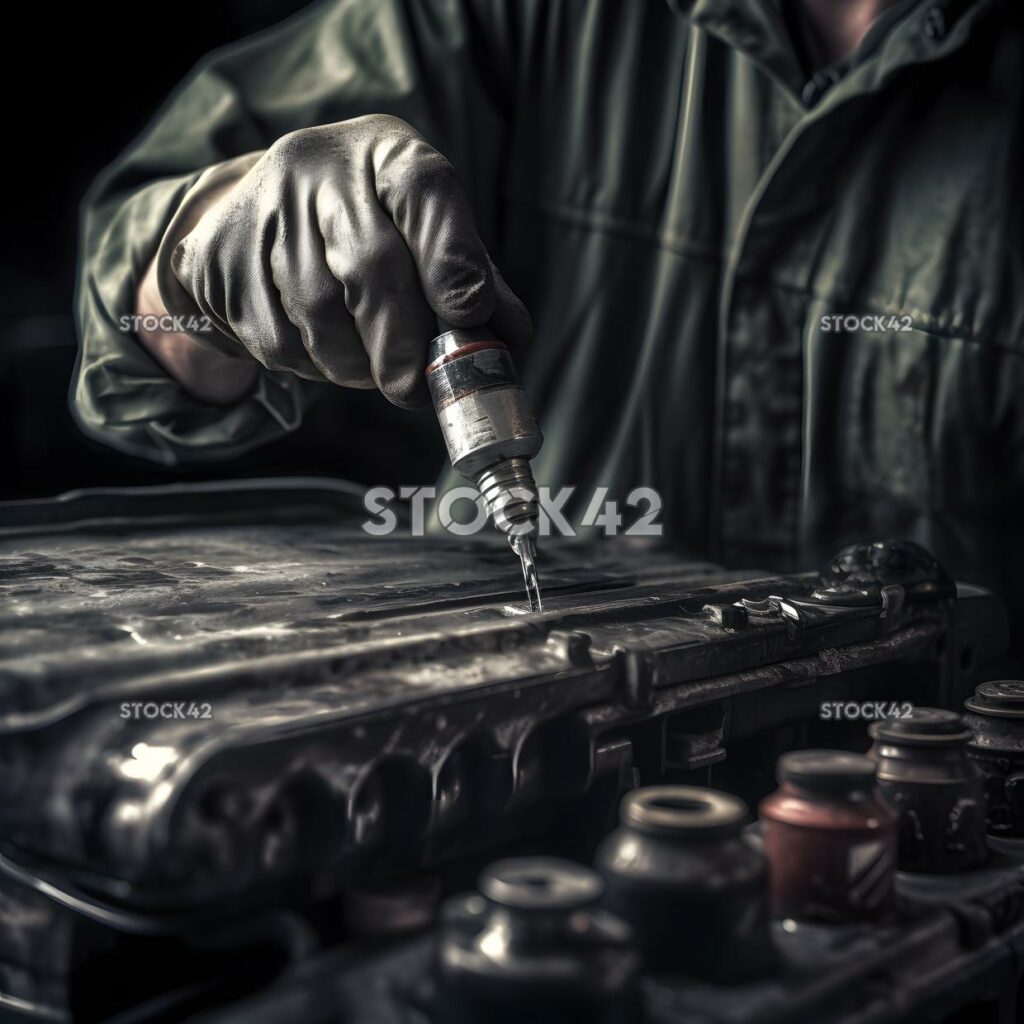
x,y
907,434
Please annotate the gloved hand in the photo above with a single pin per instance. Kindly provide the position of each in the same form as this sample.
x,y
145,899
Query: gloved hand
x,y
332,253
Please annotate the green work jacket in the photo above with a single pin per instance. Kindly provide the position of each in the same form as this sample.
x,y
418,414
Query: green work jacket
x,y
792,303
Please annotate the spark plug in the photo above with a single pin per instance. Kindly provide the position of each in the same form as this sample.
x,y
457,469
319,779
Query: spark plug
x,y
490,432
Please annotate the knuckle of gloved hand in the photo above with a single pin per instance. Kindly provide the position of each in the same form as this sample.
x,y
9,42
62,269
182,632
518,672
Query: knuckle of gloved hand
x,y
212,241
429,174
388,125
291,151
408,172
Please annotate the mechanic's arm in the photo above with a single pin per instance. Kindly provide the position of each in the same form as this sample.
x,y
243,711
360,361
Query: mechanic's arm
x,y
284,302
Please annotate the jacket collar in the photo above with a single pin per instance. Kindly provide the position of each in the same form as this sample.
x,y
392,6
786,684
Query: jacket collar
x,y
753,27
930,30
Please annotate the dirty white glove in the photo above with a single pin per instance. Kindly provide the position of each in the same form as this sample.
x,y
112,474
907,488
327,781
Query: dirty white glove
x,y
330,254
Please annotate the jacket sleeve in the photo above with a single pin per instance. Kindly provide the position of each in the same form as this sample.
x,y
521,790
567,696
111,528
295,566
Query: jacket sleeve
x,y
445,66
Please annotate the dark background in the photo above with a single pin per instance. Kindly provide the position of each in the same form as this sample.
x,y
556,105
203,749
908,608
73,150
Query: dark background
x,y
85,85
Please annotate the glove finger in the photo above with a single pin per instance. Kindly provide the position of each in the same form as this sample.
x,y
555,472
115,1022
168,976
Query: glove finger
x,y
422,195
191,273
382,291
510,321
239,295
313,299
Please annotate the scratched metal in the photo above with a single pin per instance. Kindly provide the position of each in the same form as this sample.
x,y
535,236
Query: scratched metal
x,y
83,611
343,693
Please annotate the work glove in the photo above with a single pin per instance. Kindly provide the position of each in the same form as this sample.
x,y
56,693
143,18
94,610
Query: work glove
x,y
332,254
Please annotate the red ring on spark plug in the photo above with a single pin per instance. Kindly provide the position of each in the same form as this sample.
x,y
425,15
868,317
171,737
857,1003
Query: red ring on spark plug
x,y
465,350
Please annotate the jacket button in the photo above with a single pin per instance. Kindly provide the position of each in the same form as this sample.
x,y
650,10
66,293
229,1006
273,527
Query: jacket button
x,y
818,86
935,23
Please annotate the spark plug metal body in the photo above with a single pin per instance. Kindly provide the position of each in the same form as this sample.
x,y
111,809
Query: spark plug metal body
x,y
490,431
